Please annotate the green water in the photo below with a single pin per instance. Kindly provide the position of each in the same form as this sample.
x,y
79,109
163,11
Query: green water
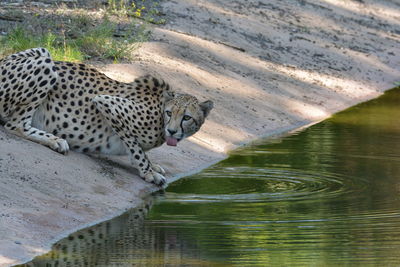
x,y
325,196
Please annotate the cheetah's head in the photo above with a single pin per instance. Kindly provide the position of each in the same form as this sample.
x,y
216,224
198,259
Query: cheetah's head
x,y
183,116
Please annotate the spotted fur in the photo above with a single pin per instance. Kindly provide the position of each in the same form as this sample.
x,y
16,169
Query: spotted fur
x,y
67,105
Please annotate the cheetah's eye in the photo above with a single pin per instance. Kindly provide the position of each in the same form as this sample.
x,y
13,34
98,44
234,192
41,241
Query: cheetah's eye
x,y
169,113
186,117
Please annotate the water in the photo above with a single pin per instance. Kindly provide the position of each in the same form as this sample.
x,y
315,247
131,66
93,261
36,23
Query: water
x,y
325,196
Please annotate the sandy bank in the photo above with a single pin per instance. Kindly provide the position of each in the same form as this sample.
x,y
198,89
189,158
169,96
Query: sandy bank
x,y
269,66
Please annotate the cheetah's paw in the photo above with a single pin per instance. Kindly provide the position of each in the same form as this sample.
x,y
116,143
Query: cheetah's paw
x,y
158,169
60,145
155,177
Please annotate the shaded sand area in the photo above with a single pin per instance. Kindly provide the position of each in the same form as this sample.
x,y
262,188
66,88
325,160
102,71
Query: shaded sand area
x,y
269,66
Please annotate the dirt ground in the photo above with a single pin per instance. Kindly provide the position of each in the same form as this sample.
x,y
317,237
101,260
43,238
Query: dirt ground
x,y
269,66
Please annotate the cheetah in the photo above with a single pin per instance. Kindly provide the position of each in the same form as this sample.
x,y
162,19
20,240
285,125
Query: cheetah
x,y
66,106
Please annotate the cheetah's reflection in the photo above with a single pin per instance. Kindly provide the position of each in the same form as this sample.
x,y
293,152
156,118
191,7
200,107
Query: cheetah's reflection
x,y
111,243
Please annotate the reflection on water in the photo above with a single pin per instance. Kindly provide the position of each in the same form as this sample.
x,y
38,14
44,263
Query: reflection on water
x,y
328,195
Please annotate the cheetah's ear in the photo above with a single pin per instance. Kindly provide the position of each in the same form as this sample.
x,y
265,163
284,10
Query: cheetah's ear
x,y
206,107
168,95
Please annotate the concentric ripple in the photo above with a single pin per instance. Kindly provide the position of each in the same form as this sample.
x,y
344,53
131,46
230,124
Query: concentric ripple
x,y
244,184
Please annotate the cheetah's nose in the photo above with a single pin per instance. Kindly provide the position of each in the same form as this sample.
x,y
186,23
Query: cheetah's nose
x,y
172,132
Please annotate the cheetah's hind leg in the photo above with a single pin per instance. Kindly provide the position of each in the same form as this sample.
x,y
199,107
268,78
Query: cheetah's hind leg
x,y
20,124
25,80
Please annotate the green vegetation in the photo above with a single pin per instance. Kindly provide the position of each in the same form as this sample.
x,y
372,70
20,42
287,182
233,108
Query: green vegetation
x,y
103,42
73,34
138,9
20,39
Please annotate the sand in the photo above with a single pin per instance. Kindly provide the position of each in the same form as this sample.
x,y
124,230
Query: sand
x,y
269,66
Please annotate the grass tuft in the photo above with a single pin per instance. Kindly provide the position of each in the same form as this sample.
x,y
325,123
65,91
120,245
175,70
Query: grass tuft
x,y
101,41
140,9
76,34
19,39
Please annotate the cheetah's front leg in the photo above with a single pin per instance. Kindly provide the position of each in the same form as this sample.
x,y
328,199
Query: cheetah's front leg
x,y
119,113
149,172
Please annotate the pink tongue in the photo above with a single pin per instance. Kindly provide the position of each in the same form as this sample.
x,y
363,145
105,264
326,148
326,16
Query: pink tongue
x,y
171,141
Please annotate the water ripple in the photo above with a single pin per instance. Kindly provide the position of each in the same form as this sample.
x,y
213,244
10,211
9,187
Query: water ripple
x,y
243,184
